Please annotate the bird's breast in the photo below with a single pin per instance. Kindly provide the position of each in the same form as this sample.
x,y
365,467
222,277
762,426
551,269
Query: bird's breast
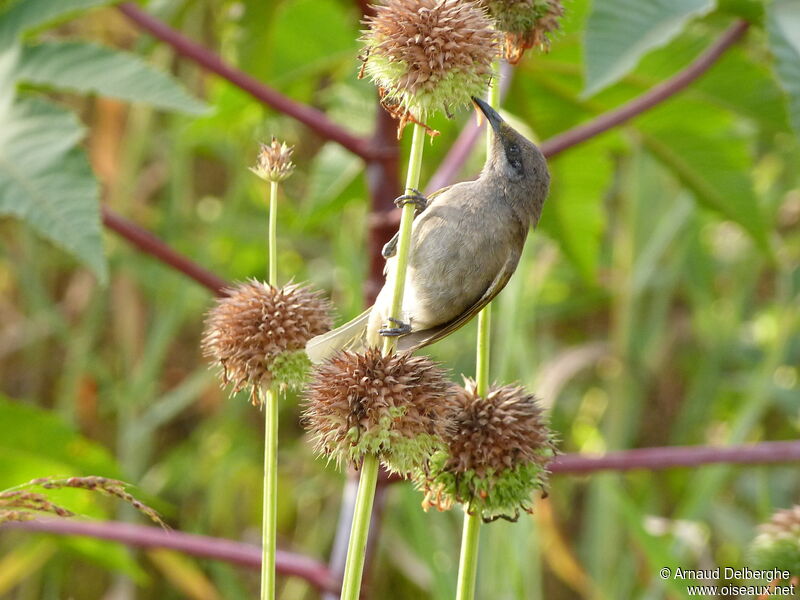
x,y
455,256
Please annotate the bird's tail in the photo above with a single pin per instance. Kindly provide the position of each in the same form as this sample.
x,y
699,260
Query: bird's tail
x,y
350,336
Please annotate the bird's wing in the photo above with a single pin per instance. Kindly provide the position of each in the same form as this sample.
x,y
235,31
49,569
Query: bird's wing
x,y
349,336
438,193
418,339
392,243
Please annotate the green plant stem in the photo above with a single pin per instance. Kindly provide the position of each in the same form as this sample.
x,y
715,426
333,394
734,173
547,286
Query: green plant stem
x,y
406,220
270,506
357,546
359,531
485,316
273,233
269,403
468,563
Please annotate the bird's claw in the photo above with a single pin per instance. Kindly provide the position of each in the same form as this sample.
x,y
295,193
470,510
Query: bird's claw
x,y
415,197
401,329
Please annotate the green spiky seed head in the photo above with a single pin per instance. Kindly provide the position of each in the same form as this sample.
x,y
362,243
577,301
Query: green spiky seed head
x,y
496,454
360,404
525,24
777,545
426,55
256,331
290,370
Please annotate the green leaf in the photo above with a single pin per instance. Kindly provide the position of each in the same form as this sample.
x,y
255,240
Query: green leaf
x,y
87,68
27,14
761,100
327,30
36,443
620,32
749,10
332,171
31,438
573,215
784,38
114,557
9,59
702,149
46,181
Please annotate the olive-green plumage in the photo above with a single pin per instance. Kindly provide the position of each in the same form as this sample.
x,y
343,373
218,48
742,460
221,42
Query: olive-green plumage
x,y
464,248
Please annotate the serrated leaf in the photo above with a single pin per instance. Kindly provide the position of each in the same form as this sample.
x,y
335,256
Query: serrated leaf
x,y
783,23
27,14
620,32
714,167
9,59
573,215
761,100
46,181
90,68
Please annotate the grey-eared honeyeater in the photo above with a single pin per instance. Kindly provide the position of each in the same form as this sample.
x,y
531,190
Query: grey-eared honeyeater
x,y
466,242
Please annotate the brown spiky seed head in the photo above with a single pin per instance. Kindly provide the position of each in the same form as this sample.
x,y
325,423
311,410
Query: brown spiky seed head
x,y
429,54
525,23
274,161
498,450
777,545
256,323
367,403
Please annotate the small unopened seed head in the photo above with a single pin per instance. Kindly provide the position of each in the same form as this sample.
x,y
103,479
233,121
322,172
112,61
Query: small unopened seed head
x,y
525,23
257,333
777,545
497,452
426,55
387,406
274,161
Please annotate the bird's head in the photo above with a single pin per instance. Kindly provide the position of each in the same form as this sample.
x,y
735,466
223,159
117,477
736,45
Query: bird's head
x,y
516,161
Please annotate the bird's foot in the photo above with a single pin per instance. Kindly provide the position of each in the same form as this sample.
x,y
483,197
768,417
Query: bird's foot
x,y
415,197
401,329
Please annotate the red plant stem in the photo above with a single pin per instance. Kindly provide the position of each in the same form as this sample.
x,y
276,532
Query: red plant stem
x,y
461,149
151,244
669,457
655,459
142,536
207,59
651,98
318,575
386,221
383,181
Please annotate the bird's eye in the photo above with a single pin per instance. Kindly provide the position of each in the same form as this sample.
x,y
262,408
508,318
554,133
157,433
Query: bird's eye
x,y
512,154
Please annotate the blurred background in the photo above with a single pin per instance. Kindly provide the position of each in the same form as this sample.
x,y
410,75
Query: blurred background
x,y
656,305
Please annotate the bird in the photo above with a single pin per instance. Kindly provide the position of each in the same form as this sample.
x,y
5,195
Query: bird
x,y
466,242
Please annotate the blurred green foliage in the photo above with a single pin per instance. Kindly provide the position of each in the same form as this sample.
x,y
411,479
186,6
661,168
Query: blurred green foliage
x,y
657,304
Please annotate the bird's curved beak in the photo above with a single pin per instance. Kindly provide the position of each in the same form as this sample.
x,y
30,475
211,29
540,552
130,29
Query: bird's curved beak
x,y
495,120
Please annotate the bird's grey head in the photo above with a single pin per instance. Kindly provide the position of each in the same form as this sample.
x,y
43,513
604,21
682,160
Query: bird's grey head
x,y
516,163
